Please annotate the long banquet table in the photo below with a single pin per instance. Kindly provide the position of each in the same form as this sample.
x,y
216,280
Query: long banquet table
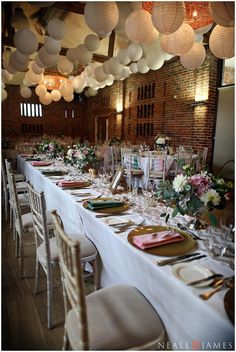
x,y
188,320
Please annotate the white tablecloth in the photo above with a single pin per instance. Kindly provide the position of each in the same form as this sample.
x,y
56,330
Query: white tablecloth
x,y
188,319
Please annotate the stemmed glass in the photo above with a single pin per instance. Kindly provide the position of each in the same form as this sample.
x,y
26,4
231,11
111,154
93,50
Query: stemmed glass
x,y
147,189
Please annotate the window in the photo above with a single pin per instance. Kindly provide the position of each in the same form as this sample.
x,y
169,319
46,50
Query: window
x,y
31,110
228,72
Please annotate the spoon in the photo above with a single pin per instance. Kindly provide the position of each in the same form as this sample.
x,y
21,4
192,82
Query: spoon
x,y
208,294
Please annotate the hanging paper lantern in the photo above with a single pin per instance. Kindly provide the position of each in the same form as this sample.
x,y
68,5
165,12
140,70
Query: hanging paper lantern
x,y
105,67
40,90
154,55
139,27
52,46
84,56
66,89
55,95
36,69
26,41
25,92
92,42
4,94
68,98
133,67
101,17
222,12
92,92
123,57
16,66
45,99
39,62
179,42
167,17
195,57
142,65
6,76
135,51
115,68
19,58
99,74
221,42
71,55
64,66
47,59
56,28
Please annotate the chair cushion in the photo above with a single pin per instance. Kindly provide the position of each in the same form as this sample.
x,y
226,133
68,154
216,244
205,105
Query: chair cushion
x,y
23,199
87,248
27,220
41,253
119,317
19,177
21,187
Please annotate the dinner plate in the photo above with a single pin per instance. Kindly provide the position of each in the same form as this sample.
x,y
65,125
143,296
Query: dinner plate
x,y
116,220
170,249
119,209
188,272
229,303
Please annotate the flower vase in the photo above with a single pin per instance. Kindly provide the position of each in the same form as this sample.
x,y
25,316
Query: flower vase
x,y
196,223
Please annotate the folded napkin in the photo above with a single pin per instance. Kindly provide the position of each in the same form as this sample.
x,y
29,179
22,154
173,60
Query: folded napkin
x,y
157,239
54,172
31,158
66,183
41,163
24,155
97,204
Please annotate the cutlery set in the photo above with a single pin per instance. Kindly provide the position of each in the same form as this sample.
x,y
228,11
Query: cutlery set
x,y
227,282
180,259
192,234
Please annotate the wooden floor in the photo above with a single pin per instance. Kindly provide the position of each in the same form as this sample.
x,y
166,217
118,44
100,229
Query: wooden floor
x,y
24,325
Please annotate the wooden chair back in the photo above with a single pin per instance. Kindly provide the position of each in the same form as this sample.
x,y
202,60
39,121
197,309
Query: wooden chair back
x,y
72,278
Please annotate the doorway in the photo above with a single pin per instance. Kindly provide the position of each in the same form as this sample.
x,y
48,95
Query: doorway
x,y
101,129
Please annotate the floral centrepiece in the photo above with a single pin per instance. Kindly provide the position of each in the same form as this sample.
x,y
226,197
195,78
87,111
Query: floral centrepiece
x,y
52,149
161,142
193,194
80,155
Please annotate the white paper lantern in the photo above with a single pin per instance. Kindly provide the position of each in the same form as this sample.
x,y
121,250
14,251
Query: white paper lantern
x,y
115,68
25,92
32,78
109,82
222,12
21,59
10,69
68,98
71,55
179,42
84,56
56,28
86,93
139,27
6,76
39,62
47,59
66,89
26,41
92,92
4,94
203,30
123,57
37,69
221,42
55,95
154,55
195,57
105,66
101,17
142,65
135,51
167,16
133,67
16,66
92,42
64,66
45,99
40,90
125,72
52,46
99,74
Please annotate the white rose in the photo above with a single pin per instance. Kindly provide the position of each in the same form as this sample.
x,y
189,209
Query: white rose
x,y
70,152
160,140
210,196
179,182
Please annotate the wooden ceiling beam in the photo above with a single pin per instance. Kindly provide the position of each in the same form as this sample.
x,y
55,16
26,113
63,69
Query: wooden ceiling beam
x,y
76,7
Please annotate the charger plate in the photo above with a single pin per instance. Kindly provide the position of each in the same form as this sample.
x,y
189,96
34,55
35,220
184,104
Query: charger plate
x,y
83,185
119,209
229,303
171,249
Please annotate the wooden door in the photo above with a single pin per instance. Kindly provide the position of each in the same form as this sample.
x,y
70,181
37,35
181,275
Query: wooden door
x,y
102,129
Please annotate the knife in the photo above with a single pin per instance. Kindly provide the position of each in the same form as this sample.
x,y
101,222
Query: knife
x,y
184,228
172,260
192,283
111,214
189,260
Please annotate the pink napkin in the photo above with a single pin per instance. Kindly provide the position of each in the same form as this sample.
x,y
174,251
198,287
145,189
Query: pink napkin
x,y
26,155
41,163
65,183
157,239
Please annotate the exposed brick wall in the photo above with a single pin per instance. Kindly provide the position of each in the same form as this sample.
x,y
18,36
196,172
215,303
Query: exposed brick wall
x,y
173,113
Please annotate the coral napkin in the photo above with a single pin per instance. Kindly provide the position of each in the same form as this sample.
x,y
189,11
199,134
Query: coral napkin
x,y
65,183
157,239
41,163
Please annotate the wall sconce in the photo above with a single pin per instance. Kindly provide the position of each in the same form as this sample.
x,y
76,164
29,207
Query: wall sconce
x,y
119,106
198,103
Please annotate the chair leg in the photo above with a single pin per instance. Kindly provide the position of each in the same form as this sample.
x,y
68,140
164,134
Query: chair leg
x,y
49,298
11,218
6,207
96,274
66,344
21,253
37,269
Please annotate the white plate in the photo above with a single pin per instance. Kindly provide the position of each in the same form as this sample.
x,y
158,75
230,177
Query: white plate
x,y
189,272
116,220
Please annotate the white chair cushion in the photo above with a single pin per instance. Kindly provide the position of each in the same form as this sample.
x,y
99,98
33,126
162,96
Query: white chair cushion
x,y
41,253
23,199
27,220
119,317
87,248
21,187
19,177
